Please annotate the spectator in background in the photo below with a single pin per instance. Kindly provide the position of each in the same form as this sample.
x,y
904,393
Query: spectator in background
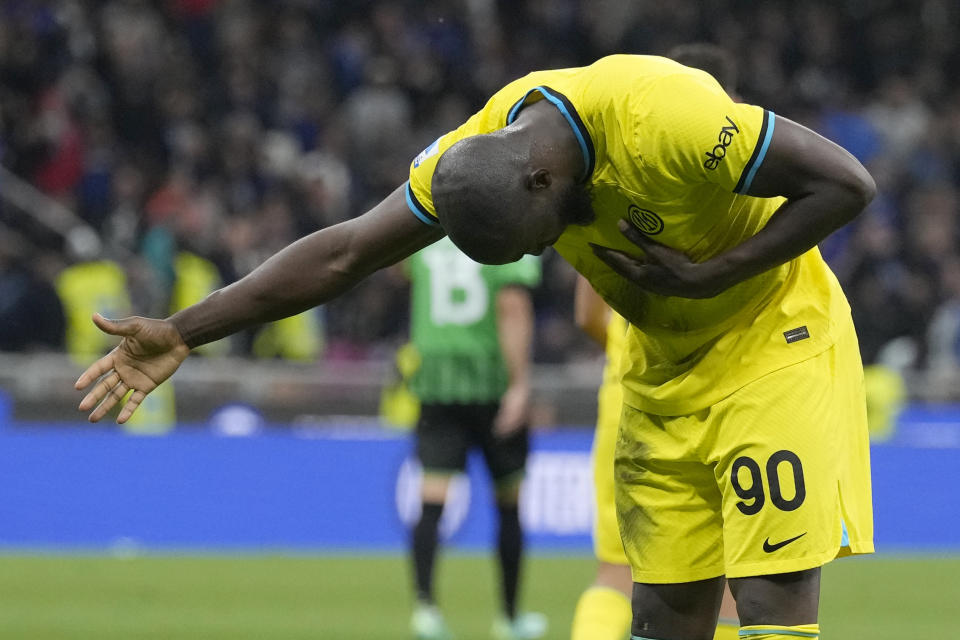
x,y
943,338
31,316
91,283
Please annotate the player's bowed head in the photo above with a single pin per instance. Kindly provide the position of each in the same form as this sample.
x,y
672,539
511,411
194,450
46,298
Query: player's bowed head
x,y
505,194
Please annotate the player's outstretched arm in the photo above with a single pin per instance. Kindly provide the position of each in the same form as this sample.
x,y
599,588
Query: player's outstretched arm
x,y
311,271
825,187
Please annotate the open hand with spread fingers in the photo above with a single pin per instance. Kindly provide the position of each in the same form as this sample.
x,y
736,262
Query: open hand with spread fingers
x,y
661,269
149,353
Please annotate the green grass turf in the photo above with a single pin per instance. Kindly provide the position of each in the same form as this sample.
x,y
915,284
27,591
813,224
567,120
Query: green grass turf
x,y
368,597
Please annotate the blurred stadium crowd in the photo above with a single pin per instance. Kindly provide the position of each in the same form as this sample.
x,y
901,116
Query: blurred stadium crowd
x,y
197,137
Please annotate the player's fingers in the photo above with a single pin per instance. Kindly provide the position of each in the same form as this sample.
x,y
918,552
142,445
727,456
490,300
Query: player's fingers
x,y
626,265
632,233
103,386
653,250
94,371
606,254
132,403
122,327
112,398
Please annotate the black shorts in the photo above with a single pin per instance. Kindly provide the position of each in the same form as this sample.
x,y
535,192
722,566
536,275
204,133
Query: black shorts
x,y
446,432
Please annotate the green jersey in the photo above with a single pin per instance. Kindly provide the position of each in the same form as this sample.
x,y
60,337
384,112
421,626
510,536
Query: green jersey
x,y
454,323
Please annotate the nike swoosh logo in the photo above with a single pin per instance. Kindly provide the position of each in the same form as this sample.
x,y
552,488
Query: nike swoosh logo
x,y
770,548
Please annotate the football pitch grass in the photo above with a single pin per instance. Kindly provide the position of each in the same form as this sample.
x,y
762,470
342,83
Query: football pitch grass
x,y
367,597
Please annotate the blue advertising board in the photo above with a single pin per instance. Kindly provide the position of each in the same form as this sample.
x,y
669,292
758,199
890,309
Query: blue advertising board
x,y
68,487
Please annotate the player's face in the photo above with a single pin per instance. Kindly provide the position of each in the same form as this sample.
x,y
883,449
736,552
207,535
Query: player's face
x,y
534,232
533,226
548,228
575,205
547,222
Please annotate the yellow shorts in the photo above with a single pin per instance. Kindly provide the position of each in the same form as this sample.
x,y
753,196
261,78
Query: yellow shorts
x,y
772,479
606,533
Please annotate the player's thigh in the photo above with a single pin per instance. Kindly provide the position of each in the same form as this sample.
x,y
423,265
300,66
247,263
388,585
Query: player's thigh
x,y
665,494
778,446
684,611
786,599
442,440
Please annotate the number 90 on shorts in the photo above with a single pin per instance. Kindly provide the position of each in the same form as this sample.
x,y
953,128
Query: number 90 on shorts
x,y
762,482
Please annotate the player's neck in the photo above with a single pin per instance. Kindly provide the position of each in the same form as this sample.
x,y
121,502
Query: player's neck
x,y
552,141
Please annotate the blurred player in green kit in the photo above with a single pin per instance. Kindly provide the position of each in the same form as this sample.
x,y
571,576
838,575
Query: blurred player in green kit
x,y
472,325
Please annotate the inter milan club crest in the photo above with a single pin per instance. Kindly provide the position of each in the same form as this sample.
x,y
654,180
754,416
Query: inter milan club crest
x,y
645,220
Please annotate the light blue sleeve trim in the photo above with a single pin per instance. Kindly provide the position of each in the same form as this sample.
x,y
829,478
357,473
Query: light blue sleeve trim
x,y
746,633
516,108
771,119
573,124
558,103
421,215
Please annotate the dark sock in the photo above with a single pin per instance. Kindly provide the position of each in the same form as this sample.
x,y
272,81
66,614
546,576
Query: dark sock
x,y
424,543
511,548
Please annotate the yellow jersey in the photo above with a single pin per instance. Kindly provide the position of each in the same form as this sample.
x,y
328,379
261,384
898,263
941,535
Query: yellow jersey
x,y
667,149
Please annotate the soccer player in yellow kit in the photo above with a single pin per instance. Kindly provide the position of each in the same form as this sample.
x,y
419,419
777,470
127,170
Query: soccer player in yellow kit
x,y
742,449
603,610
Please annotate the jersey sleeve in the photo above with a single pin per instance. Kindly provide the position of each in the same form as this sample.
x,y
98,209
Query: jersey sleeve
x,y
691,131
418,195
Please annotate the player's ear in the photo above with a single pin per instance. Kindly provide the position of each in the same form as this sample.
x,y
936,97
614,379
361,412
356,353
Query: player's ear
x,y
538,179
